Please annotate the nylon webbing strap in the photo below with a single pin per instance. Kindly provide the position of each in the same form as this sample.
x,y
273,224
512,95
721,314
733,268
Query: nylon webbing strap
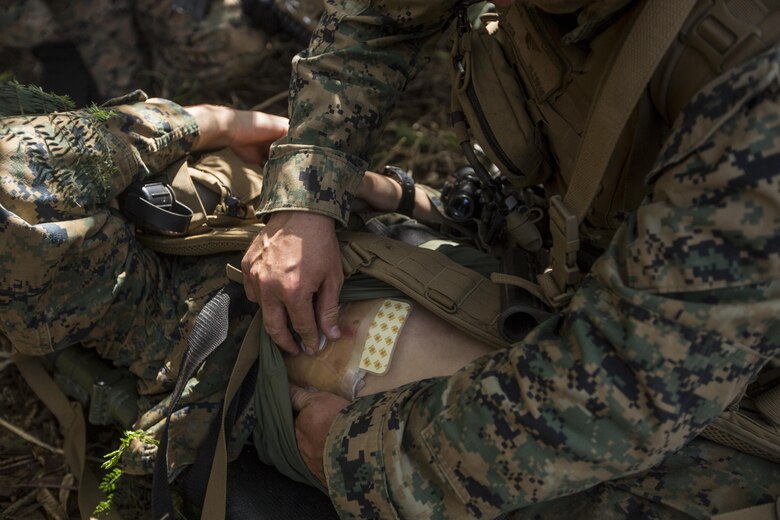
x,y
652,33
458,295
216,492
70,417
209,332
179,179
217,240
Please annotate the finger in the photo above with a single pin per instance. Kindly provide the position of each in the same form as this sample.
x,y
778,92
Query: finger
x,y
275,322
302,319
328,307
299,397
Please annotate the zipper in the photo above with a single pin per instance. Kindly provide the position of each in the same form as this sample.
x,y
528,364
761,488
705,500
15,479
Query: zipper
x,y
488,131
462,27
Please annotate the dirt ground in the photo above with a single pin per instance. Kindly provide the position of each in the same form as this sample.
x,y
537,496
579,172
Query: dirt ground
x,y
34,480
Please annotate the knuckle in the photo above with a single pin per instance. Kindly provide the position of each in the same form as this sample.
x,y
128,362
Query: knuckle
x,y
274,328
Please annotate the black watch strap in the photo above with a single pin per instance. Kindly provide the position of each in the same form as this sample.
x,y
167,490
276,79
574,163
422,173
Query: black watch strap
x,y
406,206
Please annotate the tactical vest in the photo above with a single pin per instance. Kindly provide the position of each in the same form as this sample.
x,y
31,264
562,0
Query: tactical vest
x,y
528,85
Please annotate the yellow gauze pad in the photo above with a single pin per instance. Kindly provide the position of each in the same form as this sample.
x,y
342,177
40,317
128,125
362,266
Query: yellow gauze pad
x,y
383,335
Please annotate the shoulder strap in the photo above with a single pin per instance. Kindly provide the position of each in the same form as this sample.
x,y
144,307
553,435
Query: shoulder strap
x,y
70,417
223,240
654,30
208,333
460,296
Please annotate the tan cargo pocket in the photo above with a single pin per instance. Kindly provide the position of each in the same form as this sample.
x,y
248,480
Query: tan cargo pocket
x,y
232,186
495,106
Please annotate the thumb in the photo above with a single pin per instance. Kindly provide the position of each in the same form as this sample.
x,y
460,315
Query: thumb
x,y
300,397
328,308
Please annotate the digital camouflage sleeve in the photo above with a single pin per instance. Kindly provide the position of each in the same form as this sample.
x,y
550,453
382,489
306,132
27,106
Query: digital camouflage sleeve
x,y
671,324
342,89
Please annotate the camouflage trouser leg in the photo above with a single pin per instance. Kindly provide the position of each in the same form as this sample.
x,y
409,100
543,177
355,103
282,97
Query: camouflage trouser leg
x,y
700,480
187,284
72,270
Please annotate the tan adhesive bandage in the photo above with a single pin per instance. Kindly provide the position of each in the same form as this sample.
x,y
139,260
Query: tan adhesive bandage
x,y
383,336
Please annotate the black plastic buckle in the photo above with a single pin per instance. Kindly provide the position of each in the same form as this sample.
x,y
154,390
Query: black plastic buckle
x,y
153,207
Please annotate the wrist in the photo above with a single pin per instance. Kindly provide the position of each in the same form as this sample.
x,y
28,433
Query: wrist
x,y
285,218
215,125
405,181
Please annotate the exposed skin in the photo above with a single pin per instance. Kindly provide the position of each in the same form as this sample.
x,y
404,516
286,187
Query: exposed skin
x,y
247,133
316,412
426,346
293,259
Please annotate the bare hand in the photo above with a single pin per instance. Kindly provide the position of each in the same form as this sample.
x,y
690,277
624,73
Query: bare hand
x,y
316,413
295,257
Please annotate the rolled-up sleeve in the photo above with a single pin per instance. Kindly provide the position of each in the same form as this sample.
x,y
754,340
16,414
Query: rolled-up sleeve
x,y
670,325
342,89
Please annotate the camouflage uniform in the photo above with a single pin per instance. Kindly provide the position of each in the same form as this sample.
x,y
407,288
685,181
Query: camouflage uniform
x,y
128,44
215,51
600,404
71,270
103,32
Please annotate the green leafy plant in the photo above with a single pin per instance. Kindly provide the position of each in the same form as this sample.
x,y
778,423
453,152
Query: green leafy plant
x,y
100,113
113,472
17,99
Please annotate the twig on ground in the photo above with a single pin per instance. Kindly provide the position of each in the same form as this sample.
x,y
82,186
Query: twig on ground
x,y
14,508
50,504
29,438
45,485
271,100
15,462
6,359
67,485
393,151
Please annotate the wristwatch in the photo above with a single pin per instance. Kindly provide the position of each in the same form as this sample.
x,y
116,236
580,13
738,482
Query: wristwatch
x,y
406,205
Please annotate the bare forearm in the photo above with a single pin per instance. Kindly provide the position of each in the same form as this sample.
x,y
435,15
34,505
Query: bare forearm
x,y
382,193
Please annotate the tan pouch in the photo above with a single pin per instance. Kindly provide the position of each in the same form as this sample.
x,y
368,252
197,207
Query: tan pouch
x,y
223,192
488,93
